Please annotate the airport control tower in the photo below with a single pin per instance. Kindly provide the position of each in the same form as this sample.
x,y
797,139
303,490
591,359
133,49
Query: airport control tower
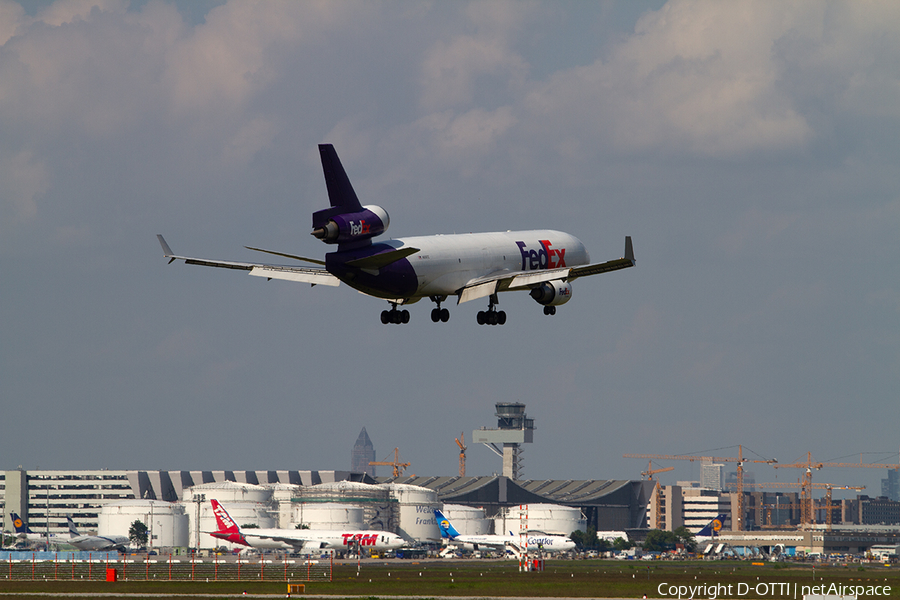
x,y
514,428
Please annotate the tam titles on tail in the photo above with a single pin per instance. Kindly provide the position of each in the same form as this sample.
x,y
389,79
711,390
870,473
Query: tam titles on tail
x,y
226,528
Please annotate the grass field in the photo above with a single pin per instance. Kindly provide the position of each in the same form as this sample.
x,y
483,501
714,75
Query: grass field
x,y
496,579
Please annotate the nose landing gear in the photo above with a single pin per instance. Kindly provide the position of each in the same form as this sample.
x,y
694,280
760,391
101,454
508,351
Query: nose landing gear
x,y
491,316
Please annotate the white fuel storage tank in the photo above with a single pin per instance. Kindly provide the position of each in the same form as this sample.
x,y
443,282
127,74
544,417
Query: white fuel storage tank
x,y
548,518
167,524
378,506
328,515
416,512
468,520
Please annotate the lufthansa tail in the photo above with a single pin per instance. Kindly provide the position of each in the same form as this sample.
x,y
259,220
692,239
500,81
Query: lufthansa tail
x,y
20,526
713,528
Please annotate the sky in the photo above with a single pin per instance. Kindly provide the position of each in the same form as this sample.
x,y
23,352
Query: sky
x,y
750,150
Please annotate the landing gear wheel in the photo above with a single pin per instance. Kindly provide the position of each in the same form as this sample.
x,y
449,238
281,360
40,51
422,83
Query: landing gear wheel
x,y
394,316
492,316
549,310
438,313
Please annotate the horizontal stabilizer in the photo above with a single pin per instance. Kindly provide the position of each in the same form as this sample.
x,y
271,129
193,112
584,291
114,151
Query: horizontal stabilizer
x,y
314,261
377,261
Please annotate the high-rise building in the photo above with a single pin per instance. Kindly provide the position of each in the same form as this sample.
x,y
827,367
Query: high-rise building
x,y
890,487
711,476
362,454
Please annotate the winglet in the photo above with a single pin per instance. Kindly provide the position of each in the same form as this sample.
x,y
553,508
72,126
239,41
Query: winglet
x,y
629,250
167,252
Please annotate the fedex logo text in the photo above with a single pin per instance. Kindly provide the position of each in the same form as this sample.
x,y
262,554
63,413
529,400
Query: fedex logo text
x,y
543,258
360,228
364,539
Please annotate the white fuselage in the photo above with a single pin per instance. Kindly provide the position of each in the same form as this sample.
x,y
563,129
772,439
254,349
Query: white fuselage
x,y
93,542
446,263
531,541
283,539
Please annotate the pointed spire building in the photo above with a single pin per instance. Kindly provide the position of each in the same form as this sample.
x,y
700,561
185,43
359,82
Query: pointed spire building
x,y
362,454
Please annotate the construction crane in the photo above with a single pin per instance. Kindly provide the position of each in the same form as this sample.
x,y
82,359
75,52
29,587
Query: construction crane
x,y
461,442
740,460
398,466
657,492
806,509
650,472
828,487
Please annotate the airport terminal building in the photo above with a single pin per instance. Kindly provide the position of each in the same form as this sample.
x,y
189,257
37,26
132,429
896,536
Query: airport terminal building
x,y
175,505
99,499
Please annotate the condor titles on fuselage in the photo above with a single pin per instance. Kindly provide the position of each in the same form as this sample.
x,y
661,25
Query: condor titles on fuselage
x,y
402,271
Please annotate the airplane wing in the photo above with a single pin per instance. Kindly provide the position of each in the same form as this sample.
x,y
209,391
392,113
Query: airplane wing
x,y
311,275
519,280
611,265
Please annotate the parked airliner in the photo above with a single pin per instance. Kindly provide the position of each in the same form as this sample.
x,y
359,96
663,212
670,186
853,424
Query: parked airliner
x,y
712,528
90,542
23,532
296,539
405,270
519,543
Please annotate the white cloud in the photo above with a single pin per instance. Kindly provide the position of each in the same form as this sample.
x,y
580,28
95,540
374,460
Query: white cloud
x,y
25,178
452,71
716,78
68,11
252,137
12,15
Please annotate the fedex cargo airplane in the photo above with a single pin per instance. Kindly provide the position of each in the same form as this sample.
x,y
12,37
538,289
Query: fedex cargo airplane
x,y
296,539
534,541
403,271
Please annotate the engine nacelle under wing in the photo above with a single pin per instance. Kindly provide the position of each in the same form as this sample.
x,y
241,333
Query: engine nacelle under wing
x,y
341,228
552,293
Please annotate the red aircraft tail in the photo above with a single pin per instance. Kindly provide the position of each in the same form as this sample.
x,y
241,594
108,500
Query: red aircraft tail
x,y
226,528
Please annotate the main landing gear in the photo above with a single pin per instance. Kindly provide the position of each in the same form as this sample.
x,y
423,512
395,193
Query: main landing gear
x,y
394,316
549,310
439,314
491,316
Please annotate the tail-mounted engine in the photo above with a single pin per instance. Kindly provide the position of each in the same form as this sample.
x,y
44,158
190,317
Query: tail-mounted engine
x,y
552,293
333,227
